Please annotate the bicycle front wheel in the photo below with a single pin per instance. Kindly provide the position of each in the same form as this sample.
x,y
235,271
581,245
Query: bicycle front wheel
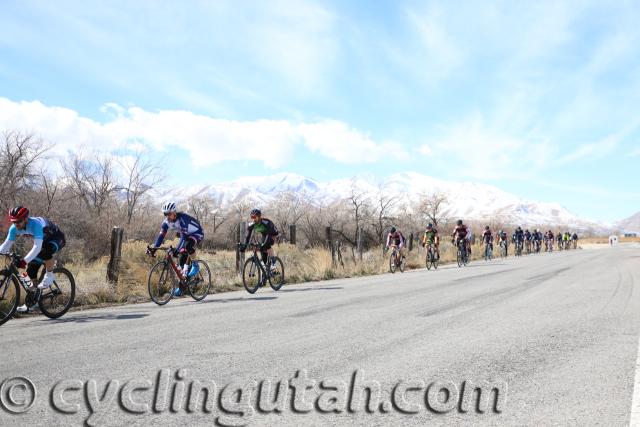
x,y
200,283
56,300
392,263
252,275
459,258
161,283
276,276
9,296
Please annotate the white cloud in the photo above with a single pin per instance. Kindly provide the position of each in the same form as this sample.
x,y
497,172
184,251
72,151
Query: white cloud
x,y
207,140
485,152
338,141
425,150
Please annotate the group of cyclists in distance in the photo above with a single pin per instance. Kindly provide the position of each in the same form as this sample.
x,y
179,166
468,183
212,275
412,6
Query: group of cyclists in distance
x,y
48,239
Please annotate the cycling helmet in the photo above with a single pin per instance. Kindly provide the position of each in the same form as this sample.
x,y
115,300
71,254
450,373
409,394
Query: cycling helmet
x,y
429,225
169,207
255,212
459,222
18,213
486,227
519,228
393,230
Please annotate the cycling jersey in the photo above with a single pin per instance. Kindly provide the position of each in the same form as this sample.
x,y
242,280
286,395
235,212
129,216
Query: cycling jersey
x,y
41,229
430,236
397,238
527,235
460,231
266,227
518,236
186,225
487,236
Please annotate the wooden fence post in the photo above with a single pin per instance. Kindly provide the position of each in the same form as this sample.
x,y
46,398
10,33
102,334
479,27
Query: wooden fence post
x,y
410,242
359,243
242,235
292,234
113,268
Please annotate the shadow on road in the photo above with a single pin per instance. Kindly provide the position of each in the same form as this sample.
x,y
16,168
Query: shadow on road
x,y
93,318
209,301
327,288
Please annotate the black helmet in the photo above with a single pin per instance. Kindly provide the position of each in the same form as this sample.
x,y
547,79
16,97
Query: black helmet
x,y
459,222
393,230
486,227
429,225
255,212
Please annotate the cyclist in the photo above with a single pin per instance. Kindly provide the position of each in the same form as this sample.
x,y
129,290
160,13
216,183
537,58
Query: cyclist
x,y
487,237
518,236
566,238
527,239
549,239
431,238
396,238
47,240
503,239
537,239
559,238
190,232
269,232
574,238
461,232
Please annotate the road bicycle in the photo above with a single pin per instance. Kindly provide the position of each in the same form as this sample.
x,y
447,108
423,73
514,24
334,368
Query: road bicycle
x,y
395,260
488,251
503,248
462,256
536,246
53,302
518,250
165,277
527,247
432,258
255,274
548,245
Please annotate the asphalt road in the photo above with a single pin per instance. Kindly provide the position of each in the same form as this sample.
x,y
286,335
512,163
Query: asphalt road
x,y
556,334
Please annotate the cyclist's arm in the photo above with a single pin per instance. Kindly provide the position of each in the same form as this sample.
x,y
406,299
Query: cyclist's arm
x,y
35,250
249,233
163,232
388,240
11,237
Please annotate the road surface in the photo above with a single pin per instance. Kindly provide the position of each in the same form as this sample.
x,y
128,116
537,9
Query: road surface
x,y
557,335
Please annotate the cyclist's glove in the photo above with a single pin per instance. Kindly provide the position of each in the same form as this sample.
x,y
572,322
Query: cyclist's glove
x,y
22,263
151,251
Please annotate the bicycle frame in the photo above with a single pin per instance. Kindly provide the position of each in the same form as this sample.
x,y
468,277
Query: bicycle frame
x,y
172,263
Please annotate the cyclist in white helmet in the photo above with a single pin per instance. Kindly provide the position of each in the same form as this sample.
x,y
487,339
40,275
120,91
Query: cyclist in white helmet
x,y
190,231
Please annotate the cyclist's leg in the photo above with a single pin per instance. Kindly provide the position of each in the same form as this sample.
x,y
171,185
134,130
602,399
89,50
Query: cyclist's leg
x,y
187,250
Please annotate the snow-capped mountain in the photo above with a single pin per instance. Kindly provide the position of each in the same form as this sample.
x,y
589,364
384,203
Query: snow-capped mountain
x,y
467,200
631,224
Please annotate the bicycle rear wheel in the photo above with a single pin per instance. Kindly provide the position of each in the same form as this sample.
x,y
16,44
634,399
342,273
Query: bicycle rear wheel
x,y
9,296
161,283
252,275
58,298
276,277
200,284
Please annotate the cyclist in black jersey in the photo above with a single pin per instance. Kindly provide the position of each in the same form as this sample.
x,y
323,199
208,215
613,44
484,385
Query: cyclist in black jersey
x,y
269,232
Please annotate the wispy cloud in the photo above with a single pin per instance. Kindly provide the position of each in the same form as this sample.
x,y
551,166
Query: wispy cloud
x,y
207,140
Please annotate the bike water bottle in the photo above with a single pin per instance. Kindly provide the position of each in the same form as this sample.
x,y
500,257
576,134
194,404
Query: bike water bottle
x,y
26,279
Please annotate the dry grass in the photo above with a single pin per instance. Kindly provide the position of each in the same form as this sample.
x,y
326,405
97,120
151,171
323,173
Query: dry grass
x,y
300,266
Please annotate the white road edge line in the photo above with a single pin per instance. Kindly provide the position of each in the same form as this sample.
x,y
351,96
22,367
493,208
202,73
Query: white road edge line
x,y
634,420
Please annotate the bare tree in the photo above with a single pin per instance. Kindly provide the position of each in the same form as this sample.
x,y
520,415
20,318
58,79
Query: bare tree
x,y
91,180
142,175
50,186
433,207
208,212
19,154
383,207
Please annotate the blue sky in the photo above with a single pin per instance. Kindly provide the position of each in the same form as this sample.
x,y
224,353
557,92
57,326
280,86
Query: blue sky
x,y
541,99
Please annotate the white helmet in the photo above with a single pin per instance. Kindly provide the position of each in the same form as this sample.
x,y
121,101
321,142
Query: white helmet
x,y
169,207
